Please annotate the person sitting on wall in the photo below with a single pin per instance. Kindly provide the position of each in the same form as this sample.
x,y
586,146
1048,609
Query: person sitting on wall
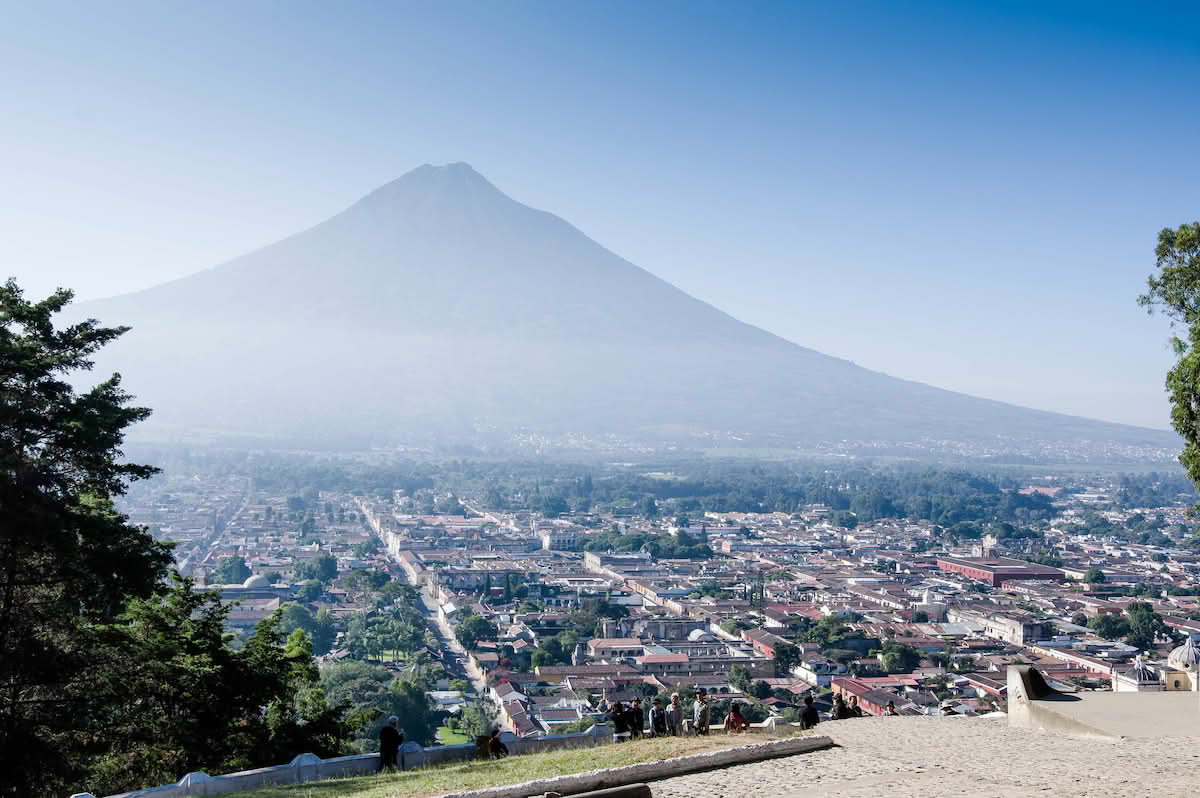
x,y
390,740
735,722
809,718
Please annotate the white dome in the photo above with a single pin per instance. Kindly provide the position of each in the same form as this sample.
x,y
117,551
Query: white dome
x,y
1186,656
256,581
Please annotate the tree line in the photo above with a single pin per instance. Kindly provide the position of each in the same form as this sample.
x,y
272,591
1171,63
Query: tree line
x,y
115,673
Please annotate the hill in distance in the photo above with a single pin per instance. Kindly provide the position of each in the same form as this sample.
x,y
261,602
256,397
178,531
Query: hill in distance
x,y
437,306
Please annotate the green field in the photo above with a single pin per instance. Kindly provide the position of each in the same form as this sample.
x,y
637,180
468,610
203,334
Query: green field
x,y
447,736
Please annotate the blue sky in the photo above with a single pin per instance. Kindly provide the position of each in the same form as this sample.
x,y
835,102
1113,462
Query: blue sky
x,y
963,194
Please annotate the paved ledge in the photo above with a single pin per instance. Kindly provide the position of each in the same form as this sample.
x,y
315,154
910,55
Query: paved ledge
x,y
957,757
653,771
1099,715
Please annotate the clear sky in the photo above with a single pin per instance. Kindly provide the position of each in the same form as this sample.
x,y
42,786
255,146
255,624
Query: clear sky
x,y
964,194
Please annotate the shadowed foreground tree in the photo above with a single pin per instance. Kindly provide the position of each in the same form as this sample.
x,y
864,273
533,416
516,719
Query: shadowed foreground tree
x,y
111,679
1175,291
68,560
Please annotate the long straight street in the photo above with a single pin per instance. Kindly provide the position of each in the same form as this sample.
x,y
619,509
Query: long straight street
x,y
454,656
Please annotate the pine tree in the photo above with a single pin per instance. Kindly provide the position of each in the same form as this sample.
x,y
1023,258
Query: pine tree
x,y
68,560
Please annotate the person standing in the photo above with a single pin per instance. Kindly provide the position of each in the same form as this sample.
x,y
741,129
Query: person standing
x,y
637,720
675,716
620,722
701,712
658,719
390,739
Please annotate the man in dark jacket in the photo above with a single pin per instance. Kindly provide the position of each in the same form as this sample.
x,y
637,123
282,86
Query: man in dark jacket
x,y
620,723
809,718
390,740
658,719
635,719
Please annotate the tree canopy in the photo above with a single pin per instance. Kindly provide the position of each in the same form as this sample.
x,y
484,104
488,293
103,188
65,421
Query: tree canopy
x,y
181,699
68,560
230,571
1110,627
111,677
323,568
474,628
1175,291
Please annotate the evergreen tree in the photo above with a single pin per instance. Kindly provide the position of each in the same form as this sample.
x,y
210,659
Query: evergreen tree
x,y
68,560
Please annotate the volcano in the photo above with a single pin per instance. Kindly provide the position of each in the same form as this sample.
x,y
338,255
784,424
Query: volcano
x,y
437,305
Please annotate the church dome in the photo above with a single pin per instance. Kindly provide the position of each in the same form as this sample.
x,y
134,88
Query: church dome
x,y
257,581
1186,656
1141,673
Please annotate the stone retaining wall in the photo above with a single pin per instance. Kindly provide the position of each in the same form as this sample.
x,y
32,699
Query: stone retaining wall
x,y
310,767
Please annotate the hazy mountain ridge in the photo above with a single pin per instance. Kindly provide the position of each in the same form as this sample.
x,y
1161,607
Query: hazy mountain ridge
x,y
437,302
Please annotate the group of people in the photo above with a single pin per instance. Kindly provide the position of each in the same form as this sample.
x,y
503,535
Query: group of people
x,y
628,721
666,719
842,710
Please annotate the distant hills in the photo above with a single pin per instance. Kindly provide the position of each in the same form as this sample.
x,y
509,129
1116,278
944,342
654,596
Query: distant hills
x,y
437,306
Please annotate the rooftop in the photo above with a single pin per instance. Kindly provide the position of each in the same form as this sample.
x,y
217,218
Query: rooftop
x,y
1000,565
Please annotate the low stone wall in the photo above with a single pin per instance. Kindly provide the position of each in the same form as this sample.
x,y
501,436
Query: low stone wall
x,y
309,767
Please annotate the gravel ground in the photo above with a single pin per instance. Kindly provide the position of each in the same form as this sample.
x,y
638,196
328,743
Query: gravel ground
x,y
935,757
